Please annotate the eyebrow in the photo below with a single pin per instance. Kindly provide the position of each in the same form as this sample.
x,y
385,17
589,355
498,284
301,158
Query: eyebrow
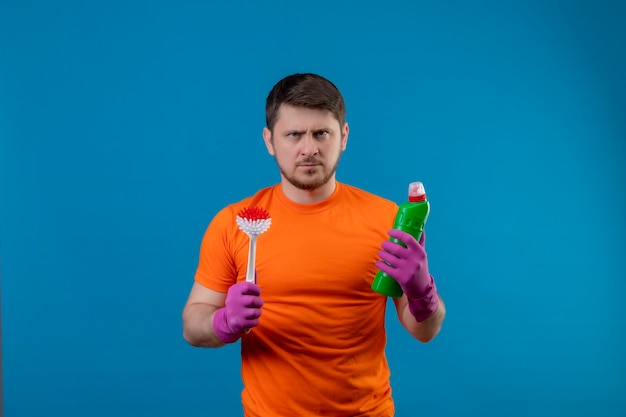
x,y
300,131
288,131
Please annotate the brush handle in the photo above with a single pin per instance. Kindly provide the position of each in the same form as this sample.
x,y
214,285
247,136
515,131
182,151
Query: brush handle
x,y
250,274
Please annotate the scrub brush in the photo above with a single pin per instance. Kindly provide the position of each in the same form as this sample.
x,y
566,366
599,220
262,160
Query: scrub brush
x,y
253,221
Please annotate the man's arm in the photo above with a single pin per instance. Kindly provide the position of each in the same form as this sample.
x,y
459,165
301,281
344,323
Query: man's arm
x,y
426,330
420,309
211,318
198,316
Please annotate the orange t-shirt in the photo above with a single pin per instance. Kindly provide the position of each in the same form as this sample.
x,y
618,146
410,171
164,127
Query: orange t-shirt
x,y
319,346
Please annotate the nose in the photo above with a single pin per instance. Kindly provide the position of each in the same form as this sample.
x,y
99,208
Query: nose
x,y
309,145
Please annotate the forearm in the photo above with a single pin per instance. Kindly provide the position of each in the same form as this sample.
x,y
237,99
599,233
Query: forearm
x,y
198,325
423,331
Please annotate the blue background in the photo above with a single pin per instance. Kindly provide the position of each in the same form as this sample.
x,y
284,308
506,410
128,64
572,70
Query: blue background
x,y
125,126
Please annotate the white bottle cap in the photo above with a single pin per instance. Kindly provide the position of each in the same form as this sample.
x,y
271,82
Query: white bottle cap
x,y
417,191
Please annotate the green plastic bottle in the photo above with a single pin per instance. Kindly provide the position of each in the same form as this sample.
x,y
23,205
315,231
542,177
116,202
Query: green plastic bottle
x,y
411,218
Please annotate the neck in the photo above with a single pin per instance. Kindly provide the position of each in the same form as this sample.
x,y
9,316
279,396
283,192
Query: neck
x,y
316,195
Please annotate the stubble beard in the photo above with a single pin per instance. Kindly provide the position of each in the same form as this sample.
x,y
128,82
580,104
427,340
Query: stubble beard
x,y
310,185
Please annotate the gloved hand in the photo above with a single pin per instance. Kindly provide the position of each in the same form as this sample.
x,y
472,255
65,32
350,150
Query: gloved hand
x,y
242,311
409,267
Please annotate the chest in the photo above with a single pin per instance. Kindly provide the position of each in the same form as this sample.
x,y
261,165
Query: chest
x,y
321,254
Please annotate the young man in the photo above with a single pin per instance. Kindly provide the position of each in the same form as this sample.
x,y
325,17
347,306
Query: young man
x,y
316,339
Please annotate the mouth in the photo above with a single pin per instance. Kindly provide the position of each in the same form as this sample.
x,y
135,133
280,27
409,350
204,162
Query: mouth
x,y
309,164
309,167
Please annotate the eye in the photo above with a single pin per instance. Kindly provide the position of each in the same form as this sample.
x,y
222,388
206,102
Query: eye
x,y
321,133
293,135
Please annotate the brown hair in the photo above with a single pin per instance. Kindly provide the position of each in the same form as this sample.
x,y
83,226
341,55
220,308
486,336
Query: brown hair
x,y
305,90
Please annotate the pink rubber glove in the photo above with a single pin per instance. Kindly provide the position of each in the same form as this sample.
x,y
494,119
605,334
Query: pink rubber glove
x,y
242,311
409,267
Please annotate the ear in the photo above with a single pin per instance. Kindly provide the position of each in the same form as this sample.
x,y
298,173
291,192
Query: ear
x,y
267,137
344,136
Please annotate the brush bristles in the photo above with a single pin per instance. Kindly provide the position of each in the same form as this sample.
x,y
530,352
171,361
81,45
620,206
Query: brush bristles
x,y
253,220
253,213
253,227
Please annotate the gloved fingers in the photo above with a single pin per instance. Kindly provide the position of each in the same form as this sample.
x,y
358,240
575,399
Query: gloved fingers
x,y
248,324
251,323
251,301
252,313
395,249
245,288
390,270
410,242
237,324
390,258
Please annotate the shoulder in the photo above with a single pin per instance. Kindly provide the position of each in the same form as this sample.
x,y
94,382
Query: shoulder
x,y
358,206
365,197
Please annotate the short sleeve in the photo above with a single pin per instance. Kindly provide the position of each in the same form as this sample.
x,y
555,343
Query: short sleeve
x,y
216,265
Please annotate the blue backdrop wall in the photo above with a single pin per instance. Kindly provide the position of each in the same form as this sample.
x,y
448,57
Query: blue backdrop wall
x,y
125,126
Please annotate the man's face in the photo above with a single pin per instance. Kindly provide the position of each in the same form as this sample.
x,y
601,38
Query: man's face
x,y
307,145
